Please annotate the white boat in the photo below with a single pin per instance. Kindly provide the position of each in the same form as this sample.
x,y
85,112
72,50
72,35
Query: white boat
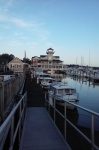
x,y
41,76
45,83
62,93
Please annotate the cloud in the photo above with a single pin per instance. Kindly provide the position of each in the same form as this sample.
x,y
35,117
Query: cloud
x,y
36,28
19,22
14,43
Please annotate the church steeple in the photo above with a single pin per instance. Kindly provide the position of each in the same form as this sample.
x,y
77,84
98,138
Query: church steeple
x,y
25,54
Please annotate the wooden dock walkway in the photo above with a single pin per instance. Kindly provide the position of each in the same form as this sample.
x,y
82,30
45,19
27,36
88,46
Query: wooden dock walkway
x,y
39,131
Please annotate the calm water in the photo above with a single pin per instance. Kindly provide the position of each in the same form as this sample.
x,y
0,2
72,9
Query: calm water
x,y
88,98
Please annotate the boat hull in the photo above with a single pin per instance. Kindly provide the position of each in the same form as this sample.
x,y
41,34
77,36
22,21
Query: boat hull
x,y
68,106
62,103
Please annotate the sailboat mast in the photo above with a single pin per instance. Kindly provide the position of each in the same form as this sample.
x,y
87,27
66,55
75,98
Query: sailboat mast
x,y
89,58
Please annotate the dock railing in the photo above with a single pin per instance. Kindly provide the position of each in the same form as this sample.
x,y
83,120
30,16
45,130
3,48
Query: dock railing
x,y
12,126
8,90
93,114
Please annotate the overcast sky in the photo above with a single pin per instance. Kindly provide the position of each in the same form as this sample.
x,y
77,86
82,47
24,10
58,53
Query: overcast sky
x,y
70,27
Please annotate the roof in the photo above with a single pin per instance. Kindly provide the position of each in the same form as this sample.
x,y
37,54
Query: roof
x,y
57,60
43,55
61,85
43,60
50,48
48,78
35,57
16,60
56,56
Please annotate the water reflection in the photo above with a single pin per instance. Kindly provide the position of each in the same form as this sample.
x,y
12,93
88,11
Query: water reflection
x,y
88,98
73,116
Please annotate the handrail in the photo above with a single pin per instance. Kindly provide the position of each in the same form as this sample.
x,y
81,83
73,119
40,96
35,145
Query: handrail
x,y
85,109
92,113
9,122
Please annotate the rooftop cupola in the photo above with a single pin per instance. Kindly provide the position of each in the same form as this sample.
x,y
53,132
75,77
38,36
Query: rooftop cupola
x,y
50,51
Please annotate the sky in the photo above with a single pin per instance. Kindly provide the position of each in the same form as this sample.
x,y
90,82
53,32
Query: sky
x,y
70,27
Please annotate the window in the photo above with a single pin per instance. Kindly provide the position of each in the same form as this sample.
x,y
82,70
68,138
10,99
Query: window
x,y
73,90
66,90
19,66
11,66
60,91
54,91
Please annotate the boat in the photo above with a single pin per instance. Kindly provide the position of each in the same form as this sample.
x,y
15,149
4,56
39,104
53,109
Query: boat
x,y
95,78
62,93
41,76
45,82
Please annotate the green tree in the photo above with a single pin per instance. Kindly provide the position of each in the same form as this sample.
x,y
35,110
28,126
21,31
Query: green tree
x,y
27,60
5,58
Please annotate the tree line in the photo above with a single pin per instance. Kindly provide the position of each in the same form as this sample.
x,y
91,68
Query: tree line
x,y
6,58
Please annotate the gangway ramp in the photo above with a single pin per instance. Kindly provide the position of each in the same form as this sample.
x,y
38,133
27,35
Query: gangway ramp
x,y
40,133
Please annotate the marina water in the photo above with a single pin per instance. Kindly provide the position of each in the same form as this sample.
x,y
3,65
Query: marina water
x,y
88,98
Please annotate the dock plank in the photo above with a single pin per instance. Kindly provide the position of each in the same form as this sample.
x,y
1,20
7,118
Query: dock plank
x,y
40,133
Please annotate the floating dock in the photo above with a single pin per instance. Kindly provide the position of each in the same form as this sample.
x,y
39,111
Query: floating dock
x,y
39,131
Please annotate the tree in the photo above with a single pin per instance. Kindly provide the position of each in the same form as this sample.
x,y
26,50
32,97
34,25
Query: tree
x,y
5,58
27,60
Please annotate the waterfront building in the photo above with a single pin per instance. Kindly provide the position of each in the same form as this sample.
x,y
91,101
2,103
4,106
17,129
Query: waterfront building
x,y
48,62
16,65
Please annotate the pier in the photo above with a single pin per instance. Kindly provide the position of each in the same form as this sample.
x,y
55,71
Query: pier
x,y
39,131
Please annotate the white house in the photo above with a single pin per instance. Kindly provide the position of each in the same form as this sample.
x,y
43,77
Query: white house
x,y
16,65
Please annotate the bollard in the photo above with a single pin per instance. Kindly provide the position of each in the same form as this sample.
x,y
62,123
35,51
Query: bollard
x,y
37,80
